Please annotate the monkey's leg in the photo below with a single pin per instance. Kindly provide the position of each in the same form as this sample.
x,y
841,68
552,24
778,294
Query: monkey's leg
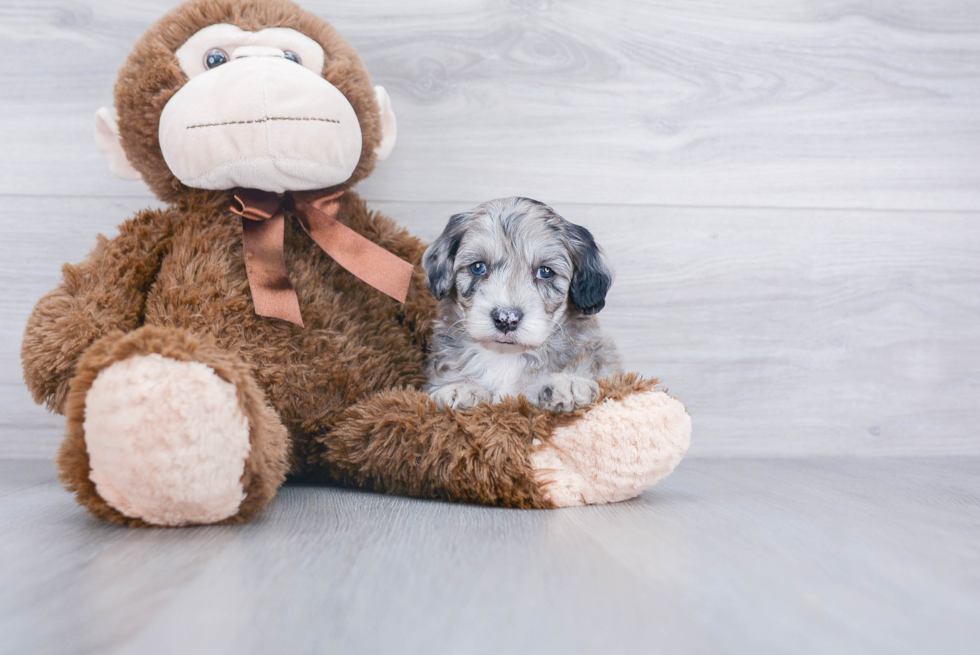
x,y
165,428
511,454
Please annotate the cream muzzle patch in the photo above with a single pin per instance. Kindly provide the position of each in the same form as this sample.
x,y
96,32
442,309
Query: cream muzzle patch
x,y
256,113
259,121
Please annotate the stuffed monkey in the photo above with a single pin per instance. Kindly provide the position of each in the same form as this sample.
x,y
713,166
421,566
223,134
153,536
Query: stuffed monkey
x,y
253,329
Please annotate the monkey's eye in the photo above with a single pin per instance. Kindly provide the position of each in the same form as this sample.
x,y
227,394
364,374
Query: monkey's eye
x,y
291,56
215,57
479,268
544,273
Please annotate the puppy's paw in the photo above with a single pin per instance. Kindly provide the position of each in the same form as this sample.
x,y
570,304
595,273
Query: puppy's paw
x,y
460,395
566,393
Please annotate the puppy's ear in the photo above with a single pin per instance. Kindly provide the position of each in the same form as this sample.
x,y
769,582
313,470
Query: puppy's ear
x,y
593,276
440,257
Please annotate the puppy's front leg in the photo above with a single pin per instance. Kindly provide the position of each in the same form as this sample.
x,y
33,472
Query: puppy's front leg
x,y
564,392
460,395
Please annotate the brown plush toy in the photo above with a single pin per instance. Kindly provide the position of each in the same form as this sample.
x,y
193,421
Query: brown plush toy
x,y
195,374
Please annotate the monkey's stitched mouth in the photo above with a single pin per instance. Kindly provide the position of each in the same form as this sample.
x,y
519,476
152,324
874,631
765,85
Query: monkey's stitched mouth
x,y
266,119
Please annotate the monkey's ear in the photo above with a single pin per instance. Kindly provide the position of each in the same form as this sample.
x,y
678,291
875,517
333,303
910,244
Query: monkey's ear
x,y
107,139
593,275
439,259
389,126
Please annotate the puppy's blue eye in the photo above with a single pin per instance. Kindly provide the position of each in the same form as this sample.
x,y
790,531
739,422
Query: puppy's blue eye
x,y
478,268
544,273
215,57
291,56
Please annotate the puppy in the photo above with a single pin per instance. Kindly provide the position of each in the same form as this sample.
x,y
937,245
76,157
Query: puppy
x,y
519,287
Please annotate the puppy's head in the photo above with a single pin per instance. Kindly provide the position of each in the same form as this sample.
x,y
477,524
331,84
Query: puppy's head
x,y
514,270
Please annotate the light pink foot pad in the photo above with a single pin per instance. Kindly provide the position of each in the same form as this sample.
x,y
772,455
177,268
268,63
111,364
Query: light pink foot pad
x,y
167,441
615,452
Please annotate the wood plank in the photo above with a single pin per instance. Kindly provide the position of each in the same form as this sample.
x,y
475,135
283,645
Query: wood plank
x,y
784,332
868,104
836,555
19,474
26,430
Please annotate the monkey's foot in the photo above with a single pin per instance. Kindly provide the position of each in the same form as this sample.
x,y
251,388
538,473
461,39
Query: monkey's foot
x,y
167,441
614,452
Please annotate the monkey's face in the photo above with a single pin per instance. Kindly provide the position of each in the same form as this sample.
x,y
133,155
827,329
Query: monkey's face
x,y
258,104
257,113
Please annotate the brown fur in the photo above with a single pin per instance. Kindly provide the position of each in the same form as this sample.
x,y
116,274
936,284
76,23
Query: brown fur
x,y
336,399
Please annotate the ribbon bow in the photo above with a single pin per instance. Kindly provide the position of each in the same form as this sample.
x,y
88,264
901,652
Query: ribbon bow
x,y
263,227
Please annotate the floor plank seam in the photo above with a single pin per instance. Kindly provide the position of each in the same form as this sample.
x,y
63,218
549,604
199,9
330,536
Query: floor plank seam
x,y
564,203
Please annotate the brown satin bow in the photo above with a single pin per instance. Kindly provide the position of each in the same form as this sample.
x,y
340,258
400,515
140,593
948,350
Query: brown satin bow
x,y
263,227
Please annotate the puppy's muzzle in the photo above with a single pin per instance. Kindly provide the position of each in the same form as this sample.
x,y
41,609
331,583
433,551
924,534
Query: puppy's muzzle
x,y
506,319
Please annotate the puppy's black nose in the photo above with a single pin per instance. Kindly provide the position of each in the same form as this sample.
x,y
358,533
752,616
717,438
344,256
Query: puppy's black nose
x,y
506,320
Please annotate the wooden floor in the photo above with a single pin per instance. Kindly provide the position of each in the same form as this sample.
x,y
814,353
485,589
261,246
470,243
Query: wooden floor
x,y
822,555
790,193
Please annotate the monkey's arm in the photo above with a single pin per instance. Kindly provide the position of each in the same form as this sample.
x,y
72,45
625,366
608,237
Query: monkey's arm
x,y
105,292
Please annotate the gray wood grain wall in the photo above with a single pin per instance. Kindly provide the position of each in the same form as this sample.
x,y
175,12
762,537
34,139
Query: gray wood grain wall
x,y
790,192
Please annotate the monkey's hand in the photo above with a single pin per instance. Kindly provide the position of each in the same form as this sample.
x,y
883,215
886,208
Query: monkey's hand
x,y
564,392
460,395
104,293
